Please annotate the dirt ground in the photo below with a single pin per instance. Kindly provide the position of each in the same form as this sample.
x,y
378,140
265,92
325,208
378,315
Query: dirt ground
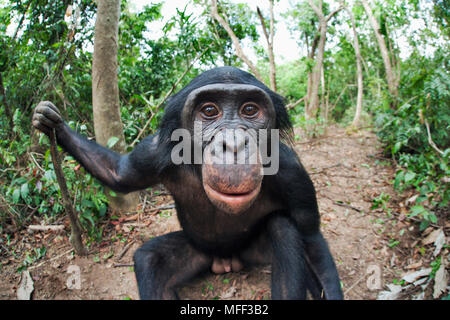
x,y
348,172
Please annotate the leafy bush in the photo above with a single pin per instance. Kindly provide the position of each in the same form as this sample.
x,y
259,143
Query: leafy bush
x,y
404,132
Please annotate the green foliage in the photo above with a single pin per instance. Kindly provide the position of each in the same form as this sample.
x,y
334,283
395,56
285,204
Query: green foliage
x,y
292,80
42,58
406,138
36,187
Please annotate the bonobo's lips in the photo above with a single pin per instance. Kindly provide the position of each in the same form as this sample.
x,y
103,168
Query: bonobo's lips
x,y
233,203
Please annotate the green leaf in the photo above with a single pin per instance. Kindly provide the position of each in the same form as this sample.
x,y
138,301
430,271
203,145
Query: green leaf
x,y
24,191
417,210
16,195
409,176
112,142
432,217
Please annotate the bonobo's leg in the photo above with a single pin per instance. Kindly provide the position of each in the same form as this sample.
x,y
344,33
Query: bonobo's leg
x,y
165,262
313,284
289,268
323,266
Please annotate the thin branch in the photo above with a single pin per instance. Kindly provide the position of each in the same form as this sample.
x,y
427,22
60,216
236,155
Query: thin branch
x,y
347,206
263,25
340,95
329,16
294,104
317,10
124,250
20,23
239,52
430,140
269,39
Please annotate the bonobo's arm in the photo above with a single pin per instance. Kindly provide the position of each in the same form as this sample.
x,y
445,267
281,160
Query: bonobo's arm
x,y
299,194
123,173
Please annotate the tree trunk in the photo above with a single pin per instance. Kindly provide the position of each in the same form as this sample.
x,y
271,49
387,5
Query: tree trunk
x,y
390,76
313,93
269,40
311,55
359,99
3,100
105,89
237,46
313,104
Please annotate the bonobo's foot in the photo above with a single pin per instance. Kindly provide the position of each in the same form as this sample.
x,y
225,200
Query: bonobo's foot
x,y
46,117
225,265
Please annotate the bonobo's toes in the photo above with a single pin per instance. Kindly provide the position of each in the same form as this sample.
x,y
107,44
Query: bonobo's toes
x,y
225,265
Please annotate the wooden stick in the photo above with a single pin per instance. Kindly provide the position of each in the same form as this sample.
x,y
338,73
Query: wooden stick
x,y
46,228
347,206
75,236
125,249
120,265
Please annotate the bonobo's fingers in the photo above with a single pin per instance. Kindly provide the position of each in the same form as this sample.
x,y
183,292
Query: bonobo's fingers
x,y
50,105
46,117
38,125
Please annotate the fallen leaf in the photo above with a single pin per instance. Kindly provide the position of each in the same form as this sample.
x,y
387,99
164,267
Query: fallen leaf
x,y
412,199
427,231
132,218
420,281
229,293
420,296
431,237
26,287
414,265
440,282
392,294
439,242
413,276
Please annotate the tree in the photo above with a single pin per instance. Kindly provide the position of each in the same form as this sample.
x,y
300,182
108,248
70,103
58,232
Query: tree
x,y
391,78
269,39
105,90
313,93
359,99
239,51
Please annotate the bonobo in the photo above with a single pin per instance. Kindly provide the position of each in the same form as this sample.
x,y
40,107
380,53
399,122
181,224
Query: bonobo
x,y
233,210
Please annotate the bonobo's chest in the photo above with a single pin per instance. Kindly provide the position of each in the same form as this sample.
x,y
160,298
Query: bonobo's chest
x,y
204,222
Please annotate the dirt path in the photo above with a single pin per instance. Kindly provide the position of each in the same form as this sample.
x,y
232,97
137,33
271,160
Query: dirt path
x,y
347,177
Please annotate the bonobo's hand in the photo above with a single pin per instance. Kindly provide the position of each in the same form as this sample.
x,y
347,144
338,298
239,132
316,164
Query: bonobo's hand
x,y
47,117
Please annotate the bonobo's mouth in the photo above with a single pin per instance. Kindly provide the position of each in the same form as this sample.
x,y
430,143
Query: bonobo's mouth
x,y
232,202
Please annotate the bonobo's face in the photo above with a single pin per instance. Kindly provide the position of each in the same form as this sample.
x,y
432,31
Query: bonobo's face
x,y
230,116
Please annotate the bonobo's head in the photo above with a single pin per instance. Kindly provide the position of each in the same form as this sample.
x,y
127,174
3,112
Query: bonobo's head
x,y
227,117
224,110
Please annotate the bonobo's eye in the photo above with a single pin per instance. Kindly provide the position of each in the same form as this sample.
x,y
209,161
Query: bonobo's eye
x,y
249,110
209,111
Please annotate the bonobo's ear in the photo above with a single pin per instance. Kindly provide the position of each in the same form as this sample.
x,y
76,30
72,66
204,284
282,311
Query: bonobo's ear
x,y
232,90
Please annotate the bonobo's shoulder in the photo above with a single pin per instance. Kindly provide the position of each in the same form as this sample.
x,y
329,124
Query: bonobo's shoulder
x,y
290,164
288,156
150,141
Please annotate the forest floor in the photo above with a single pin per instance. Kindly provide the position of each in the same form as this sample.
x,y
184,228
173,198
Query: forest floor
x,y
372,246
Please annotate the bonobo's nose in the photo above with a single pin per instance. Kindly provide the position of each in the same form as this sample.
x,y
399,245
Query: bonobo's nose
x,y
234,141
237,146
